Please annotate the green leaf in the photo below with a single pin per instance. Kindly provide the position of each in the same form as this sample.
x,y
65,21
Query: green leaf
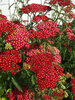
x,y
1,91
45,45
16,84
28,72
34,40
33,79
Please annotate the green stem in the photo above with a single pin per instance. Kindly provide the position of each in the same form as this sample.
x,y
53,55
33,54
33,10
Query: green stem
x,y
59,14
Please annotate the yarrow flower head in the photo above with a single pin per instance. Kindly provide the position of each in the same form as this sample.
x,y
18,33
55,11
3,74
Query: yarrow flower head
x,y
47,72
19,38
70,34
20,95
45,30
35,8
61,2
6,25
9,60
40,17
64,2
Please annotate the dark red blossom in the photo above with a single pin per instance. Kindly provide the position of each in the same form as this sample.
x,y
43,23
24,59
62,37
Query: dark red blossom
x,y
9,60
73,85
45,30
69,30
35,8
70,49
58,95
33,50
53,1
32,33
69,24
64,2
73,81
46,72
73,89
74,98
71,15
20,95
6,26
2,17
46,97
61,2
67,9
40,17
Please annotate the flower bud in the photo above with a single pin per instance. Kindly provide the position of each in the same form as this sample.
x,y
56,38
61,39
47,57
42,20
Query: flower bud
x,y
26,66
8,46
65,94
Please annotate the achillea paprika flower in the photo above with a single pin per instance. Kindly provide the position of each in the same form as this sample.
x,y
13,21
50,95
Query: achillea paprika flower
x,y
57,94
69,30
71,36
71,15
40,17
6,26
73,81
46,29
69,24
67,9
32,33
53,1
35,49
19,38
9,60
51,42
3,17
70,49
35,8
73,89
64,2
20,95
46,72
46,97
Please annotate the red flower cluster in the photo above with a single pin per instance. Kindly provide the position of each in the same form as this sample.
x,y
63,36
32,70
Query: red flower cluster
x,y
71,15
67,9
60,2
73,85
33,50
40,17
70,34
20,95
5,25
53,1
9,60
58,94
19,38
64,2
32,33
67,46
45,30
46,72
35,8
46,97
